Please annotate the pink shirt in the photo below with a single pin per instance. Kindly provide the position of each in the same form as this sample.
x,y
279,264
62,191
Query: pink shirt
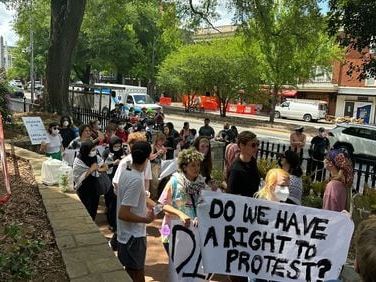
x,y
231,153
335,196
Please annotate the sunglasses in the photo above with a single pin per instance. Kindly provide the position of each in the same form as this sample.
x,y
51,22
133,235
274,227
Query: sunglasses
x,y
54,128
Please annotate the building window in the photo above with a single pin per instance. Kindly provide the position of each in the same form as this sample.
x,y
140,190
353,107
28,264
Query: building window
x,y
321,75
370,80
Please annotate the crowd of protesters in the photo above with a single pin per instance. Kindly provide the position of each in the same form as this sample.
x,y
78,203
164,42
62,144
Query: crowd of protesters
x,y
128,173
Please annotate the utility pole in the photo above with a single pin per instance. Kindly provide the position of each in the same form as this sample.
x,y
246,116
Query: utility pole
x,y
32,81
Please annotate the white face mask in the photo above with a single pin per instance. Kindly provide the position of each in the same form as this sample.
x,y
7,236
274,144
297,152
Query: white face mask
x,y
66,123
121,126
116,149
92,153
281,193
55,131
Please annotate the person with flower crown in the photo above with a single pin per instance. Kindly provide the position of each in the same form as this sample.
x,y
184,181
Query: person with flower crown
x,y
338,190
180,195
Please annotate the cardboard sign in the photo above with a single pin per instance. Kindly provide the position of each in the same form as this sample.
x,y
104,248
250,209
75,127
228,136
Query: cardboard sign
x,y
185,253
35,129
274,241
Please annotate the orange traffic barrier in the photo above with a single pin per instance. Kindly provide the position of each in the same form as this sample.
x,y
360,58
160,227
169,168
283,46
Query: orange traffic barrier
x,y
165,101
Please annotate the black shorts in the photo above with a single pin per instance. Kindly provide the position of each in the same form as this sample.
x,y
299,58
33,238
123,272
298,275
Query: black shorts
x,y
132,254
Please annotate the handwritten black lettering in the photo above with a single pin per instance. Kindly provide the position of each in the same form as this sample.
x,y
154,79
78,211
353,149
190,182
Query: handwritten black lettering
x,y
310,250
295,267
232,255
278,267
211,235
255,214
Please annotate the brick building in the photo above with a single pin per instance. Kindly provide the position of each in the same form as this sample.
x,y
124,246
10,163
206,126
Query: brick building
x,y
346,94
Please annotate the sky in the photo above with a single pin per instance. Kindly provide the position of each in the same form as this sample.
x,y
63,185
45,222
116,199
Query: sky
x,y
6,29
6,17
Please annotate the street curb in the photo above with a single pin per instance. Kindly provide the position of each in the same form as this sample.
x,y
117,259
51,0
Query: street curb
x,y
83,248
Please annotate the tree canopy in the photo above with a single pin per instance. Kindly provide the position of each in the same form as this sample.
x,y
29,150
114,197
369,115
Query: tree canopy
x,y
291,40
354,22
221,67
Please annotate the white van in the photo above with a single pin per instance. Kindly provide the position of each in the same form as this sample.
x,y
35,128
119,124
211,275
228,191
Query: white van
x,y
106,96
303,109
129,95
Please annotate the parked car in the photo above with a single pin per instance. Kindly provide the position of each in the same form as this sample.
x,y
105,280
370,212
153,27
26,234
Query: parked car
x,y
303,109
16,83
38,86
356,139
16,92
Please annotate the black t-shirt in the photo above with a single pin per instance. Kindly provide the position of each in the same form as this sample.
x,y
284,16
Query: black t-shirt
x,y
207,131
244,178
68,135
319,147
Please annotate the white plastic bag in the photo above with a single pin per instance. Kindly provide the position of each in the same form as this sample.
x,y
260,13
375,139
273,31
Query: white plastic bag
x,y
66,178
51,171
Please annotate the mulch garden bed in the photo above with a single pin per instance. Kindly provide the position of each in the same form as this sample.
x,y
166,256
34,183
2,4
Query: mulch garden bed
x,y
28,250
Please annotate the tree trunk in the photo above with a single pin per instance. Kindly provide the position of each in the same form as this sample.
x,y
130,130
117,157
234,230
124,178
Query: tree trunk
x,y
223,107
66,20
274,103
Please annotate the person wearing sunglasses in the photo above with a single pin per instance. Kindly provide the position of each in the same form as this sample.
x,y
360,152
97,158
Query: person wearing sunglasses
x,y
53,147
244,176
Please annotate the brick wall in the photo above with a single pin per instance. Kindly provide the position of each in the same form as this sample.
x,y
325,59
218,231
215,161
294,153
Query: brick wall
x,y
340,69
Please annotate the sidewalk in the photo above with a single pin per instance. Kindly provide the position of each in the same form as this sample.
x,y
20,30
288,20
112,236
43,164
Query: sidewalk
x,y
156,258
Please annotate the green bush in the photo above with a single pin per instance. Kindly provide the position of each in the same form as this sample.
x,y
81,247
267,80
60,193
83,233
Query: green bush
x,y
19,252
264,165
4,91
312,201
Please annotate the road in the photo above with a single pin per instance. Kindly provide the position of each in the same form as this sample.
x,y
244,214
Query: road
x,y
264,134
318,124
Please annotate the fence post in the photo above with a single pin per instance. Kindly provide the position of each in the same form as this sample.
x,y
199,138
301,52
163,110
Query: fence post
x,y
24,98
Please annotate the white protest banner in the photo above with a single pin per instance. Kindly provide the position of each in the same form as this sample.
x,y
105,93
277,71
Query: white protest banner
x,y
35,129
185,253
281,242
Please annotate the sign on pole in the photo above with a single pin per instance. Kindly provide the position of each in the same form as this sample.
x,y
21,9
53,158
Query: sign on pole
x,y
35,129
274,241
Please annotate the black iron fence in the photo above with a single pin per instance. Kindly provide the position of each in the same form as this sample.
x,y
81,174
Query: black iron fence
x,y
364,169
86,115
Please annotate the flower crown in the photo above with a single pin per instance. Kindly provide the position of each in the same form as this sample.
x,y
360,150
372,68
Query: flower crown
x,y
189,155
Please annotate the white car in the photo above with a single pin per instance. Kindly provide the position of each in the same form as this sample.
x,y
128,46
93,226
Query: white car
x,y
356,139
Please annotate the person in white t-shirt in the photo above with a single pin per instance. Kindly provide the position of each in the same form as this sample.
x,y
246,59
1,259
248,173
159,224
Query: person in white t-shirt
x,y
133,214
132,138
53,147
122,167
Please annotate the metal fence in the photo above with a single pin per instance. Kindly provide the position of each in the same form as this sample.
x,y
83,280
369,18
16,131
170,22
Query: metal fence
x,y
86,115
364,169
19,105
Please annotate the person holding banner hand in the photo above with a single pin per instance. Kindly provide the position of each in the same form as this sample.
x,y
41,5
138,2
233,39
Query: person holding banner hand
x,y
276,186
338,190
180,196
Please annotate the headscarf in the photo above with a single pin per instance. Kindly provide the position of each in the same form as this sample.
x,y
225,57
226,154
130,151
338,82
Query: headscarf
x,y
114,141
85,149
340,159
